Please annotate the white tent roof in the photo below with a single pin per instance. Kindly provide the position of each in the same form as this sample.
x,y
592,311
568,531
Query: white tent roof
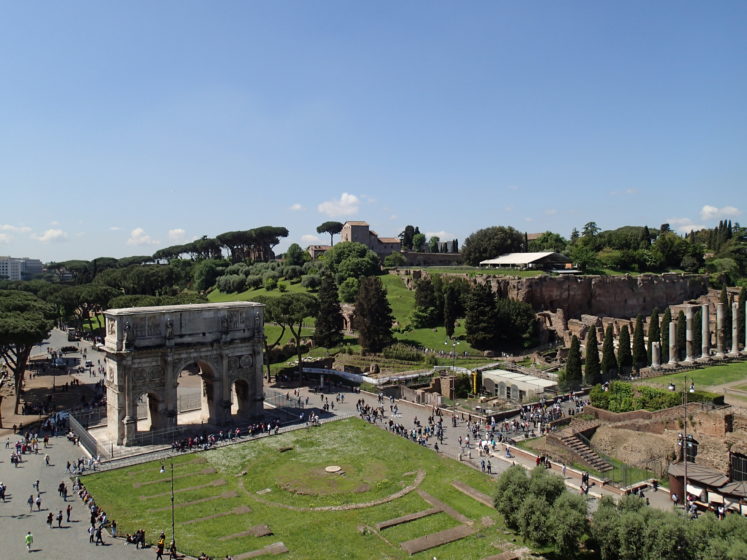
x,y
520,379
523,258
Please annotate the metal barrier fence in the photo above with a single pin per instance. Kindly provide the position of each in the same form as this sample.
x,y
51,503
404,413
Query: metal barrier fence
x,y
85,439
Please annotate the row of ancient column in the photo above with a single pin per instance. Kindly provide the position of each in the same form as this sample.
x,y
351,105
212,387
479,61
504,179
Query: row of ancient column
x,y
705,351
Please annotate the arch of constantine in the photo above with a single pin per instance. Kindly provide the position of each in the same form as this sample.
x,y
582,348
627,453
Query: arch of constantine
x,y
148,347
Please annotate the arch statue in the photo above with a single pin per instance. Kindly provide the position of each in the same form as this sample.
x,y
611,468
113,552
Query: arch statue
x,y
148,347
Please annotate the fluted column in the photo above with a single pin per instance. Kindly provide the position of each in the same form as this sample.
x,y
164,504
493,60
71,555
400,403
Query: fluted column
x,y
705,332
672,344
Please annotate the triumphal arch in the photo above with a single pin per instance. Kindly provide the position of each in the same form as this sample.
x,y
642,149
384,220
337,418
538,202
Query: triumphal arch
x,y
148,347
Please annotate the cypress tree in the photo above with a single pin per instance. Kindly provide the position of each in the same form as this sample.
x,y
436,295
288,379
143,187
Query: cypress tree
x,y
373,315
609,362
329,323
481,317
666,320
740,315
727,316
653,332
624,357
697,332
425,314
592,367
639,346
572,377
681,335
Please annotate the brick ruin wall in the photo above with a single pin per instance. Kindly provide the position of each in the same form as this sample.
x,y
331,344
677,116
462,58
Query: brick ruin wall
x,y
568,305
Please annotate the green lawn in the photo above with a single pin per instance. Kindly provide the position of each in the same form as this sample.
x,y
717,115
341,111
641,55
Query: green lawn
x,y
289,471
704,378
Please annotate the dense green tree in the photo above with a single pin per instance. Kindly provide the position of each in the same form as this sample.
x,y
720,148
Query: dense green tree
x,y
592,366
395,259
373,315
567,523
206,273
697,332
418,242
25,320
609,361
425,314
292,310
348,290
653,333
406,236
481,317
724,298
604,529
512,488
624,356
516,323
454,292
549,241
351,260
681,338
666,321
329,322
433,244
639,345
491,242
532,519
295,255
741,300
571,379
332,228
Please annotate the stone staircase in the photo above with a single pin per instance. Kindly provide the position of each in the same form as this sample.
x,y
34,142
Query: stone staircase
x,y
570,438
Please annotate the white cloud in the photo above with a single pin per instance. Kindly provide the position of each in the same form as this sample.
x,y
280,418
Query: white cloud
x,y
308,238
177,234
709,212
139,237
442,235
14,229
114,228
551,211
50,235
5,238
347,205
687,228
296,207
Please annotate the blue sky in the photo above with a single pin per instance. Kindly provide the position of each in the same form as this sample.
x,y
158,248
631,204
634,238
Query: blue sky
x,y
130,126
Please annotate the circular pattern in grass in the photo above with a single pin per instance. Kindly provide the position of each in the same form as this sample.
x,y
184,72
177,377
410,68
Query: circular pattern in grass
x,y
315,480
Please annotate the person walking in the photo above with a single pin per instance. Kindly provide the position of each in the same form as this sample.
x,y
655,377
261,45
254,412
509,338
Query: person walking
x,y
38,503
99,540
30,502
68,510
59,519
29,540
50,517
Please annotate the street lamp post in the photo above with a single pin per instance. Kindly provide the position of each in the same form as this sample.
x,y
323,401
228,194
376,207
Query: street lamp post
x,y
172,548
454,344
684,443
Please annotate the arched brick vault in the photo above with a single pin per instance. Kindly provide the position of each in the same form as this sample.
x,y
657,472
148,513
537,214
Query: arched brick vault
x,y
148,347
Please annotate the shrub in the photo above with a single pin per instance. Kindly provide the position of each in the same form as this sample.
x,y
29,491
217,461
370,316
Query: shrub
x,y
625,397
231,283
253,282
311,281
402,352
282,287
348,290
292,272
270,283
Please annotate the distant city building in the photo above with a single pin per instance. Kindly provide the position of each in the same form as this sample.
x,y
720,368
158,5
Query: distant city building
x,y
317,251
20,268
359,232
